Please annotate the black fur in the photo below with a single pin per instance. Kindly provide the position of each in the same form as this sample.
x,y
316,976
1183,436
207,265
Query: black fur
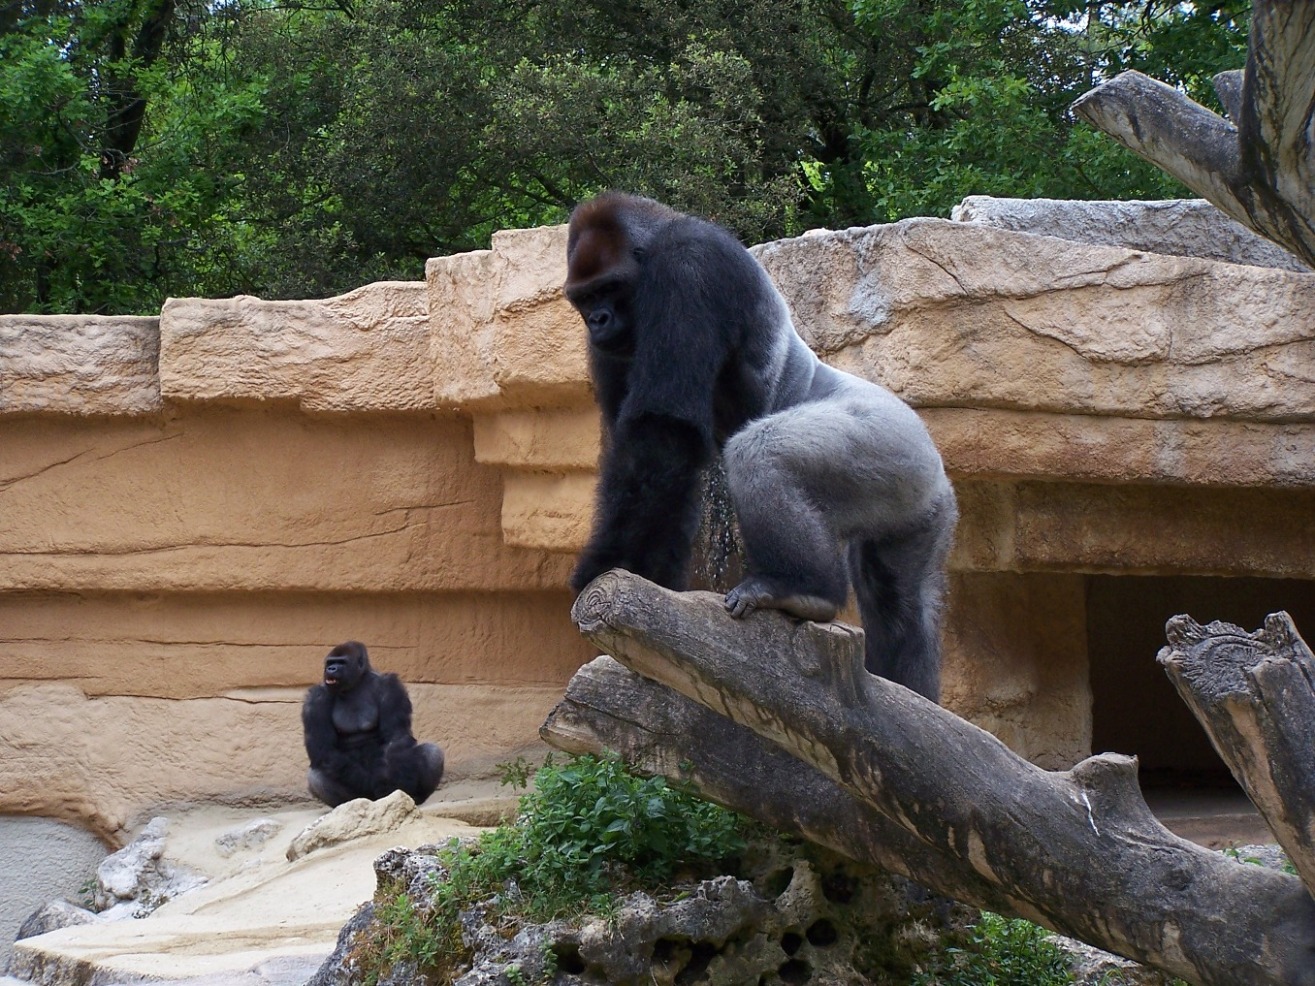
x,y
357,727
834,479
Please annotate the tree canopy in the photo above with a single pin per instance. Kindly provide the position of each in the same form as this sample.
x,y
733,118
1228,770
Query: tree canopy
x,y
157,147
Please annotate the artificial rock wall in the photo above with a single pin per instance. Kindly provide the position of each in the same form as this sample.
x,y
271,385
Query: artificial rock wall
x,y
194,508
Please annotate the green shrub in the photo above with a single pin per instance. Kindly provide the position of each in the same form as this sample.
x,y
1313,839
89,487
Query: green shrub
x,y
1000,951
589,830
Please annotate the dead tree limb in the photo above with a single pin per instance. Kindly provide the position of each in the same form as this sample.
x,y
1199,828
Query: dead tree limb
x,y
1077,851
1254,693
610,708
1261,169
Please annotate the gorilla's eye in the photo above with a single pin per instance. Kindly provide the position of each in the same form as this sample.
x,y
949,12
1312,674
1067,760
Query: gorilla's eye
x,y
639,253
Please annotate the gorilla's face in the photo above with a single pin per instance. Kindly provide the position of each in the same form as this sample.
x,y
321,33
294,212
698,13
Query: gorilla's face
x,y
345,667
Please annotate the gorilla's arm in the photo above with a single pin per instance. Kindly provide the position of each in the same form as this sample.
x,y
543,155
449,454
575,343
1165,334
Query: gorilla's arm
x,y
660,415
322,743
647,512
394,706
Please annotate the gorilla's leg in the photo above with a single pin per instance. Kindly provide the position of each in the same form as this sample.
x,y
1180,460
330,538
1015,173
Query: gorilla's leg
x,y
856,468
416,769
329,789
899,582
430,770
793,552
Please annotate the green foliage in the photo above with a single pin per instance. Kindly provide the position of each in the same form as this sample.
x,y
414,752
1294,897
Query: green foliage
x,y
516,773
989,83
591,829
111,160
1000,951
155,147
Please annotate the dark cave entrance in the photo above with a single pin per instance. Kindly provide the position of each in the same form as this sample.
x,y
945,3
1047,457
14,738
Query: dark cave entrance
x,y
1134,707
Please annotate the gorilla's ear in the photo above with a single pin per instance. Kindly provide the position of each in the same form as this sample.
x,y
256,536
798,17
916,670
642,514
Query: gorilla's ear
x,y
359,654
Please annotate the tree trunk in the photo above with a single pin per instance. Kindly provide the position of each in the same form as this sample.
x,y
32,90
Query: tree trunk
x,y
1077,851
1254,693
1259,169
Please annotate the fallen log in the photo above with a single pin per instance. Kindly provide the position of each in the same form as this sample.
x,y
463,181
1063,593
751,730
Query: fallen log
x,y
1259,168
1077,851
610,708
1254,694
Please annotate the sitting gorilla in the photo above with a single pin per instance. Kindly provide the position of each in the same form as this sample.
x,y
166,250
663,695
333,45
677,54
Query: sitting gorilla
x,y
358,734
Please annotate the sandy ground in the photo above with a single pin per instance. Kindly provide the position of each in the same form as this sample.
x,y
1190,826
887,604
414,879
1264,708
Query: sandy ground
x,y
260,920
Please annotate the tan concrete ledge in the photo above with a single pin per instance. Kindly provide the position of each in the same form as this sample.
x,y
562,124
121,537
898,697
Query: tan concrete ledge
x,y
367,350
1134,530
961,315
79,364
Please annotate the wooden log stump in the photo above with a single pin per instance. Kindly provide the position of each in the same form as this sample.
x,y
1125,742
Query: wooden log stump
x,y
1077,851
1254,694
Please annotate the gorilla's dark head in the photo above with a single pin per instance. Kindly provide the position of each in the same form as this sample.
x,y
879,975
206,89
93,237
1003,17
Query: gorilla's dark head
x,y
345,666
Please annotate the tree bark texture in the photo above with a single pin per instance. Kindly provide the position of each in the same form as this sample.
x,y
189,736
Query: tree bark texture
x,y
1077,851
1254,693
1260,168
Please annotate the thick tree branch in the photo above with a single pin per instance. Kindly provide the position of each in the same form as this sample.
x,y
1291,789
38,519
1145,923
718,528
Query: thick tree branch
x,y
1255,695
1262,171
1228,87
609,708
1077,851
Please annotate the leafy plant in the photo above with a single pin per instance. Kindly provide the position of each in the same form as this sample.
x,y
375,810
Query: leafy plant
x,y
1000,951
590,829
515,773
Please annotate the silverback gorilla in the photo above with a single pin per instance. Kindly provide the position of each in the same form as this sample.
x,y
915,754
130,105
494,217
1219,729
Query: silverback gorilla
x,y
833,479
358,734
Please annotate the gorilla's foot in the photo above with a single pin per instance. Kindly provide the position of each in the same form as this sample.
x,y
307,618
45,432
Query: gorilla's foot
x,y
759,593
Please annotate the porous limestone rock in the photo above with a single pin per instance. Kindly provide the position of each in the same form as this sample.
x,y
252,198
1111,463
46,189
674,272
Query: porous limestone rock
x,y
251,835
1180,227
802,916
55,915
138,878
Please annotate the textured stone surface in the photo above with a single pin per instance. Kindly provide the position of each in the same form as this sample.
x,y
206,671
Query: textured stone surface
x,y
259,921
98,761
956,314
187,646
41,860
367,350
251,500
550,441
247,837
792,917
503,334
79,364
1179,227
989,444
137,879
1026,681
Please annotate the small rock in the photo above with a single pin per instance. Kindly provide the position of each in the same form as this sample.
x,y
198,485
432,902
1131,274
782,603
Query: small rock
x,y
137,879
354,820
251,836
53,916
